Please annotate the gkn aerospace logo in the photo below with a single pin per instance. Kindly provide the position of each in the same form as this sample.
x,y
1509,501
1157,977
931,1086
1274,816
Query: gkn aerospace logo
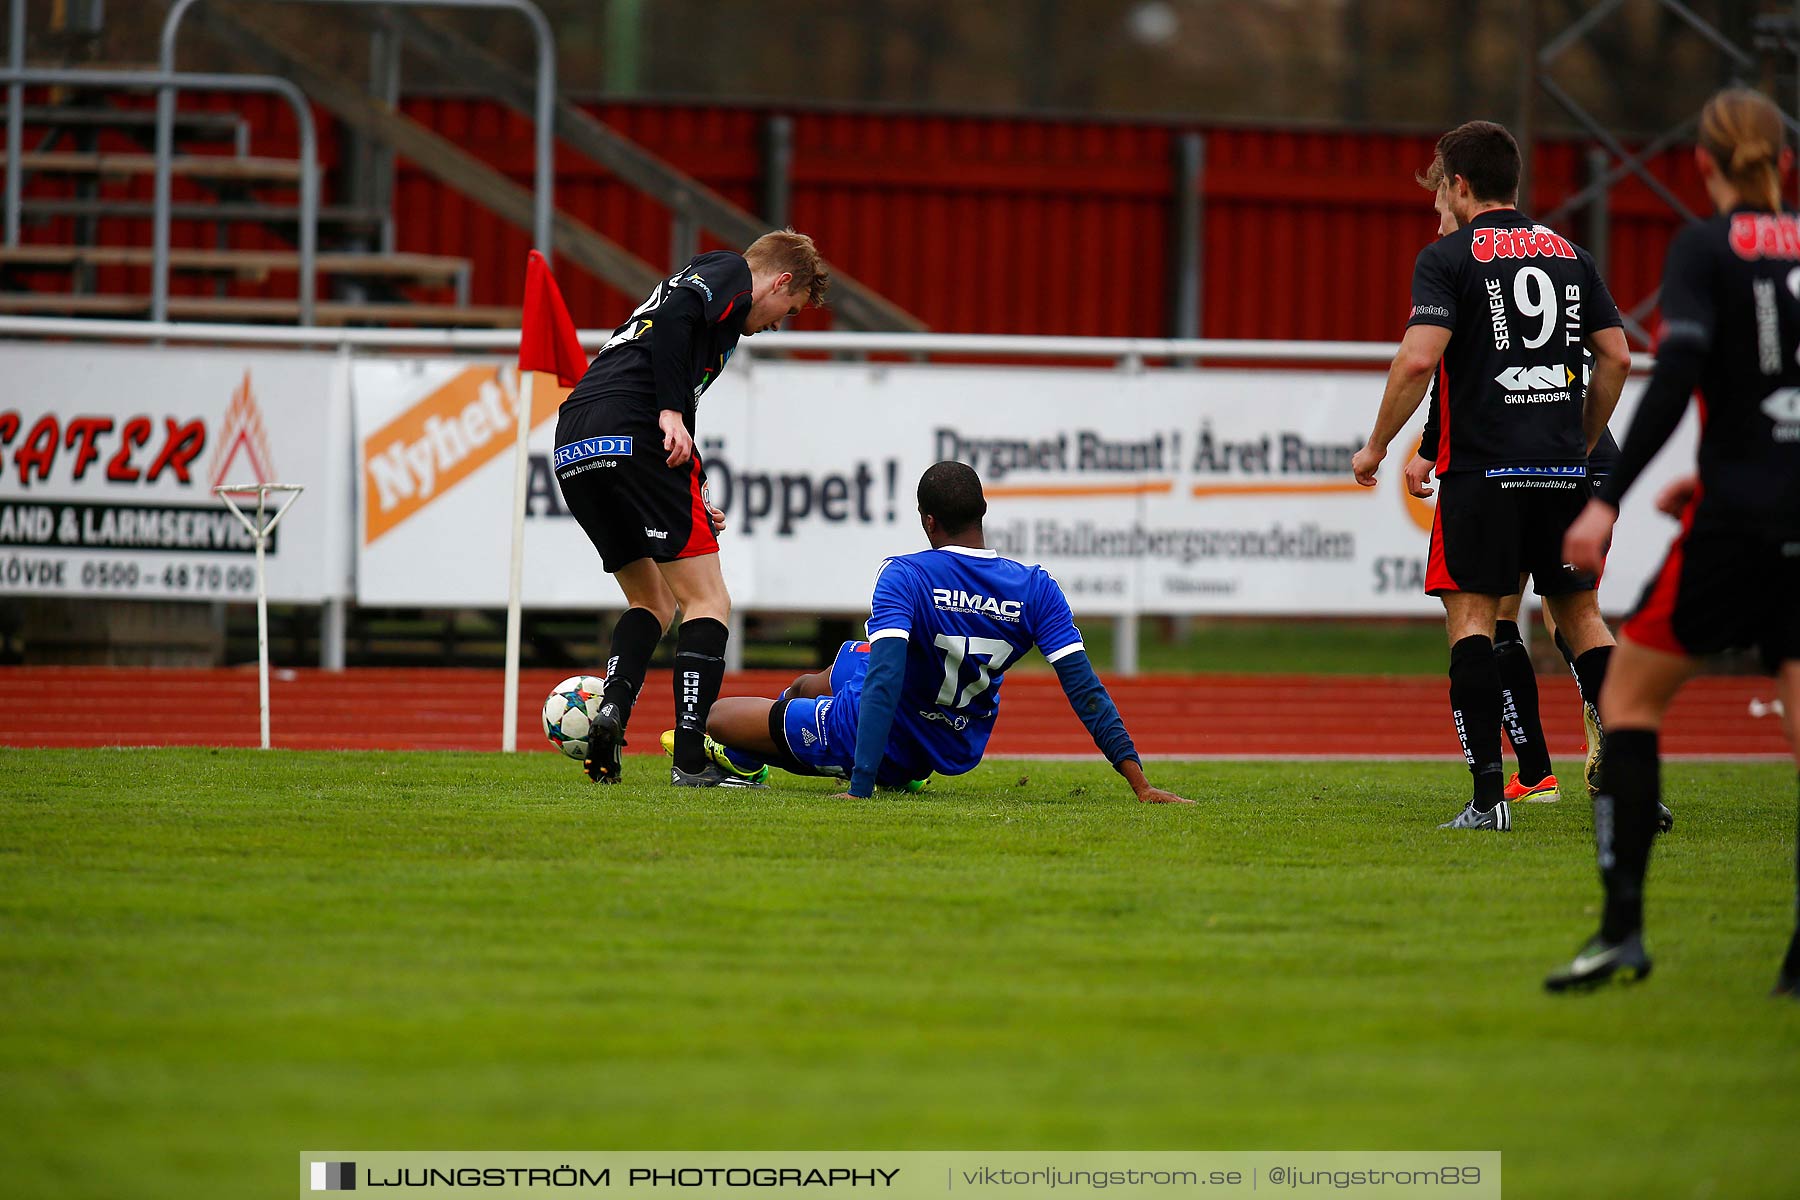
x,y
1783,407
957,600
1537,385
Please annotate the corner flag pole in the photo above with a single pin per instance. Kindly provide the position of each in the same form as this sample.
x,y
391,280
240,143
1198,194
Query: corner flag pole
x,y
260,532
509,733
547,342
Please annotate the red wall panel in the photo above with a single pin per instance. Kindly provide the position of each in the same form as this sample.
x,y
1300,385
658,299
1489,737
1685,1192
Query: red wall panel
x,y
984,224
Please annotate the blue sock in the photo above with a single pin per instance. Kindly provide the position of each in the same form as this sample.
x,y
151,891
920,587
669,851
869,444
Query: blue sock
x,y
743,760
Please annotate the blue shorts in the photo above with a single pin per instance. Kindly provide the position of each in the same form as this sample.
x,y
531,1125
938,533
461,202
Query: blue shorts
x,y
850,666
822,732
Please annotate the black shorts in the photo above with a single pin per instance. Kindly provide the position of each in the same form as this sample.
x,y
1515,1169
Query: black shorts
x,y
615,480
1491,529
1725,585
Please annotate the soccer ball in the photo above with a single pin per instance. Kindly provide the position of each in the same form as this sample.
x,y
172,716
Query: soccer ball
x,y
570,711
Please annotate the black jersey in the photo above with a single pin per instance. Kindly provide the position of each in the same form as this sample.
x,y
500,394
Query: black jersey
x,y
1520,301
696,316
1600,462
1731,327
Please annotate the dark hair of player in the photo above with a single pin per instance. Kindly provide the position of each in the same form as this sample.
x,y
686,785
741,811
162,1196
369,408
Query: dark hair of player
x,y
1741,129
951,492
1484,154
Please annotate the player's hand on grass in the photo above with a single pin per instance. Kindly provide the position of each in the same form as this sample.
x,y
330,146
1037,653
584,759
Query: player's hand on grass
x,y
1674,499
676,439
1418,475
1366,463
1133,771
1584,546
717,517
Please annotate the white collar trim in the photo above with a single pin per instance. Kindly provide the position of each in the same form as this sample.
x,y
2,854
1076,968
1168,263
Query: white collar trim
x,y
971,551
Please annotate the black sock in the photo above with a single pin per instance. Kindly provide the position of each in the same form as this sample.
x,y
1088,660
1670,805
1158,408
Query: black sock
x,y
1475,703
699,669
634,640
1519,703
1590,673
1624,824
1566,650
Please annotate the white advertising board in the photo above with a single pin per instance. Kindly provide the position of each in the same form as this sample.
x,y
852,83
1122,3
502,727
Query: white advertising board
x,y
109,454
1208,491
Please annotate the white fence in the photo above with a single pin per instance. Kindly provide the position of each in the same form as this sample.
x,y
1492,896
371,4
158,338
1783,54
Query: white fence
x,y
1148,481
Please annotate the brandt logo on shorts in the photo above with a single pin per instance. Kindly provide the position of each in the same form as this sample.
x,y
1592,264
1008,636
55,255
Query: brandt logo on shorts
x,y
586,448
1575,472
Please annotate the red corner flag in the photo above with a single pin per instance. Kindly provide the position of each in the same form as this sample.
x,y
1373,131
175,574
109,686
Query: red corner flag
x,y
547,340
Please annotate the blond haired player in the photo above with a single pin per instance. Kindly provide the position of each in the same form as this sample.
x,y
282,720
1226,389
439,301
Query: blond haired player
x,y
629,473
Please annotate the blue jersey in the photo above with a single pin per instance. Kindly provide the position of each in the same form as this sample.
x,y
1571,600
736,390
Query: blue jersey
x,y
967,615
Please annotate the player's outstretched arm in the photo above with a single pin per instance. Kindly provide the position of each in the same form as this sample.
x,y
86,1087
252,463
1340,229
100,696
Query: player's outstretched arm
x,y
1407,380
880,696
1091,702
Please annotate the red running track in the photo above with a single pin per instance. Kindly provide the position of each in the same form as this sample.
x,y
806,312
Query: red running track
x,y
1265,716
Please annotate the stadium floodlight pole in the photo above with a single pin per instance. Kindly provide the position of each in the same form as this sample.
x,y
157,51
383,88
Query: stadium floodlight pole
x,y
260,532
15,123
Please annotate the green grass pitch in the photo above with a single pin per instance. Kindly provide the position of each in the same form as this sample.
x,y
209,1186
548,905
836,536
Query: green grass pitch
x,y
210,961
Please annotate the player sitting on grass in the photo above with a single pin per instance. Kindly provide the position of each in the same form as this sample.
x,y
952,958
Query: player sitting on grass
x,y
944,626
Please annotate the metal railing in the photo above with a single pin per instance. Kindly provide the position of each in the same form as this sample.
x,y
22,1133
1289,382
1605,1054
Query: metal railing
x,y
15,120
544,200
168,81
1123,352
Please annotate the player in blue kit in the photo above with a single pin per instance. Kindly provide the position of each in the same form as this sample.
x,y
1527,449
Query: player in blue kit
x,y
922,698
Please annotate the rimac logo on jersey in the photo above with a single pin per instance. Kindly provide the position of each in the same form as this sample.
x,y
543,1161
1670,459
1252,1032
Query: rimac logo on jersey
x,y
1537,385
1539,241
957,600
586,448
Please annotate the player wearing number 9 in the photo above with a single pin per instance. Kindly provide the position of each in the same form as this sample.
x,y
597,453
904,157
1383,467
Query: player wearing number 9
x,y
1502,309
922,696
